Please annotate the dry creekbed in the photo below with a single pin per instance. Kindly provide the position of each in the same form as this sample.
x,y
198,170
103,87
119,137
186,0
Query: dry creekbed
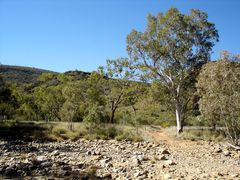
x,y
110,159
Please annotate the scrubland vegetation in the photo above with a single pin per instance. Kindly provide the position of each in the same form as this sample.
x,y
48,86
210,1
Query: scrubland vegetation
x,y
167,80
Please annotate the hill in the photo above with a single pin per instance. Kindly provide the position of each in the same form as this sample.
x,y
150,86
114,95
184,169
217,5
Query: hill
x,y
21,74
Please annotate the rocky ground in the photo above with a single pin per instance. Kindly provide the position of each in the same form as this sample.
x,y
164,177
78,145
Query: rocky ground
x,y
165,158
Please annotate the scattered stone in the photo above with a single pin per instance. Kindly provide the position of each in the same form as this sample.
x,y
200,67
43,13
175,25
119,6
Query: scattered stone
x,y
141,158
169,163
162,157
226,152
135,162
118,160
45,164
97,152
164,151
217,174
55,153
80,165
137,174
217,150
107,176
41,158
88,153
167,176
235,175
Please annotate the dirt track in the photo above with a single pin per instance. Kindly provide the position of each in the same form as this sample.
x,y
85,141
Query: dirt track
x,y
200,159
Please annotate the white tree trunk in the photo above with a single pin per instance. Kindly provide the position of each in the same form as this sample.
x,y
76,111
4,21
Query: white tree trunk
x,y
178,119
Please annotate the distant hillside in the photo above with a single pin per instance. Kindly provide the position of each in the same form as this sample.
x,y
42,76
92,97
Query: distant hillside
x,y
21,74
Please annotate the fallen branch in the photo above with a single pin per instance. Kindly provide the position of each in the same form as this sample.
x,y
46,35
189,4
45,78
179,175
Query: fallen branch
x,y
235,147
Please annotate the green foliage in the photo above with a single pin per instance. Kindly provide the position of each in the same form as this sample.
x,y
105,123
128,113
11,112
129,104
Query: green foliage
x,y
7,124
45,77
28,112
152,112
8,102
6,110
219,88
49,101
95,89
119,90
59,131
101,131
27,109
96,115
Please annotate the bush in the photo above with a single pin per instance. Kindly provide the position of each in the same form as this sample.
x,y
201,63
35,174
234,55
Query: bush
x,y
128,135
7,124
165,124
220,99
96,115
59,130
110,131
102,131
204,134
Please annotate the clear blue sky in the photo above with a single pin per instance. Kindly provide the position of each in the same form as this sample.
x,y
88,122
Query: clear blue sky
x,y
63,35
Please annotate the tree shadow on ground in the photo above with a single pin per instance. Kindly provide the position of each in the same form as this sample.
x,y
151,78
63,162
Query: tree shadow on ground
x,y
22,131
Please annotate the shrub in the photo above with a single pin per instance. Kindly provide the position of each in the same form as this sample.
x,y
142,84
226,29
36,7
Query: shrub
x,y
59,130
95,115
220,99
204,134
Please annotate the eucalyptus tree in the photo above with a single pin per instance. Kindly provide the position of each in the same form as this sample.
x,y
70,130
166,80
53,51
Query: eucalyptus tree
x,y
171,49
48,97
219,89
119,89
72,98
49,100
